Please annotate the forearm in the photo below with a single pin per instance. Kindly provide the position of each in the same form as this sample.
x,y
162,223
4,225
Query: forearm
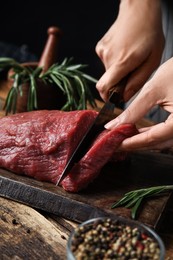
x,y
150,9
132,45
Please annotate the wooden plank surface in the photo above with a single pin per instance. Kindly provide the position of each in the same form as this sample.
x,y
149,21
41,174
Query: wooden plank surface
x,y
142,170
29,234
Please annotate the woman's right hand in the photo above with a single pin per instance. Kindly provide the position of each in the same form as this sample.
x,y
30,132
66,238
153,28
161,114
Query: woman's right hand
x,y
133,44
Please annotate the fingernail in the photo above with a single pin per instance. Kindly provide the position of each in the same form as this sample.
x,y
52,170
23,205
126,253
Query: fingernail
x,y
112,124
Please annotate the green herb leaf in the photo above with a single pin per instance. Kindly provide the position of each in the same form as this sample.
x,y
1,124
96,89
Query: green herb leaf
x,y
68,77
133,199
136,208
73,82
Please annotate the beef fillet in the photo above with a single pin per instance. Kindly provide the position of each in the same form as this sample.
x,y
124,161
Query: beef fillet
x,y
39,144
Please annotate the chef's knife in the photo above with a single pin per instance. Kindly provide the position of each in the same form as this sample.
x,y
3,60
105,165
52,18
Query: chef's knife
x,y
105,115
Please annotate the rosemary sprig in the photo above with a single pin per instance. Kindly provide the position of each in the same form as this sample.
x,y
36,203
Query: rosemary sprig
x,y
68,77
73,82
134,199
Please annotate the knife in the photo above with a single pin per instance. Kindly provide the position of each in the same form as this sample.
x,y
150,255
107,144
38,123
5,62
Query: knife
x,y
105,115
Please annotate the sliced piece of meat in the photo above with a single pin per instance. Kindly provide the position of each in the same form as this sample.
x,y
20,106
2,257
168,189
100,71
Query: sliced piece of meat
x,y
39,144
101,152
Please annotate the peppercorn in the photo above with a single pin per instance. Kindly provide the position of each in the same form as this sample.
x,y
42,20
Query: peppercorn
x,y
109,239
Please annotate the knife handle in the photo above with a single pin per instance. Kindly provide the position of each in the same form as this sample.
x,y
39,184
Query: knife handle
x,y
116,94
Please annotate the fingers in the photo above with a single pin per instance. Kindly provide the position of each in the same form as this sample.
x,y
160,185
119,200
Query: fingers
x,y
109,79
157,137
145,100
137,76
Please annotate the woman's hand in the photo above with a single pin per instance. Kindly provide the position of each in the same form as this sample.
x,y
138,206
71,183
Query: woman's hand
x,y
157,91
134,44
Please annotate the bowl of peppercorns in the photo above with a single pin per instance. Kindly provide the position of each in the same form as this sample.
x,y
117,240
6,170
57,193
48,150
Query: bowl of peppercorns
x,y
114,238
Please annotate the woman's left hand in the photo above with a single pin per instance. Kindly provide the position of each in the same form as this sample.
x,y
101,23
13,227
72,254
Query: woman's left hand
x,y
157,91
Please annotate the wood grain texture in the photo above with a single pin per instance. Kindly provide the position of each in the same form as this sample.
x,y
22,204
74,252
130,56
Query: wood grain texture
x,y
29,234
143,170
26,234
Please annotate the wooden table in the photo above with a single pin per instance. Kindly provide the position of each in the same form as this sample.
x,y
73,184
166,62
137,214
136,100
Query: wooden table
x,y
27,233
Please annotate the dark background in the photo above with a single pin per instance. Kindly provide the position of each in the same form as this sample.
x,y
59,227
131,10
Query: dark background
x,y
24,24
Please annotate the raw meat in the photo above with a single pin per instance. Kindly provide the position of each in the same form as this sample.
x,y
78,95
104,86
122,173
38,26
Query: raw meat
x,y
39,144
101,152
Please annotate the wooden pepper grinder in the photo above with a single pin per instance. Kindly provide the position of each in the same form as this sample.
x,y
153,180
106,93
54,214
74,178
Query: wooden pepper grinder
x,y
50,51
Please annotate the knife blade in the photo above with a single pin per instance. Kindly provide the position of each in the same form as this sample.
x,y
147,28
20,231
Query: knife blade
x,y
105,115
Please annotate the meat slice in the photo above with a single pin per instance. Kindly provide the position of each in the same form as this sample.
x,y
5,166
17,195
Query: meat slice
x,y
39,144
101,152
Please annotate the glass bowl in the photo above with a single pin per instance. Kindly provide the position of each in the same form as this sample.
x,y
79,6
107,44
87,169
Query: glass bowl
x,y
114,238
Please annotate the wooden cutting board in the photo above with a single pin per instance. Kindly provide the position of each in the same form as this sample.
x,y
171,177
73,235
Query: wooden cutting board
x,y
141,170
114,181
